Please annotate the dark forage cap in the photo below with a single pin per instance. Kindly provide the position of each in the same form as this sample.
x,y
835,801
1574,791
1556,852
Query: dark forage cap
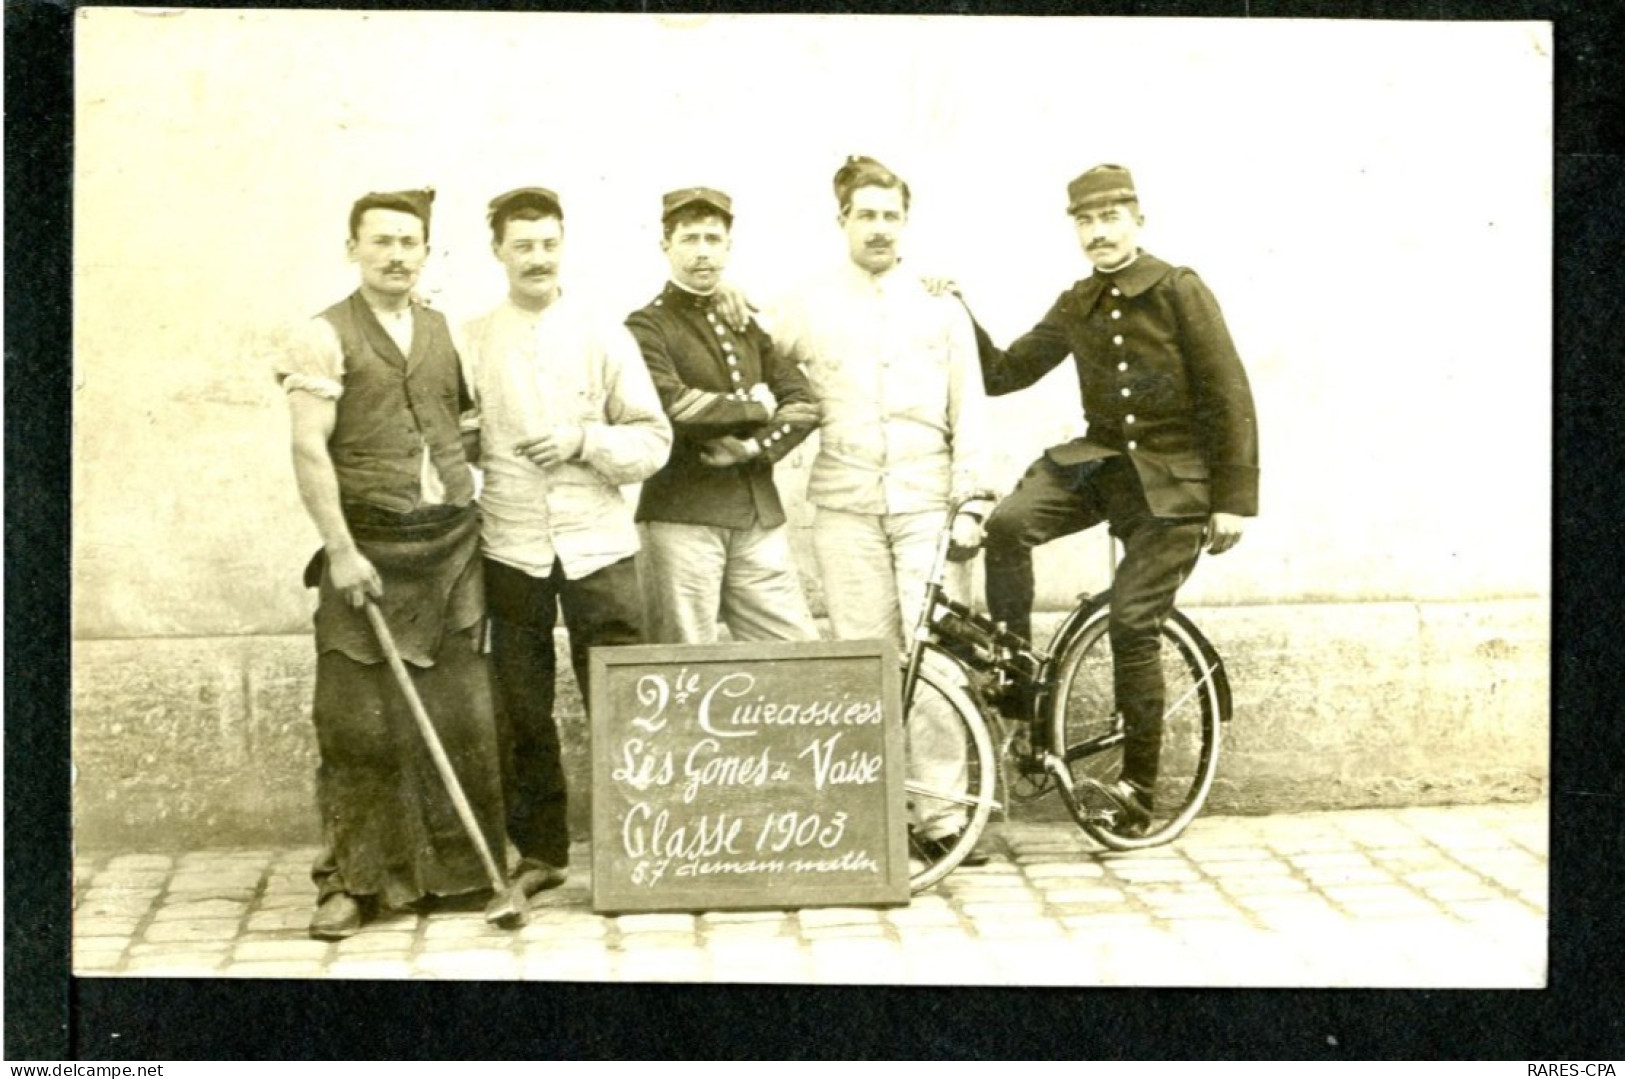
x,y
1100,186
859,171
539,198
421,198
672,201
417,200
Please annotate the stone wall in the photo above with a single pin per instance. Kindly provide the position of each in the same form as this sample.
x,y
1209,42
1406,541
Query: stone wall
x,y
201,741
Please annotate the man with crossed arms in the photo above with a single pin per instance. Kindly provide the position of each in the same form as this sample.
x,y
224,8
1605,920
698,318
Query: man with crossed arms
x,y
715,546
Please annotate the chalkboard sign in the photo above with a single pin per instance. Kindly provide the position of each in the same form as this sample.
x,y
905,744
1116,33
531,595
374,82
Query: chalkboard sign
x,y
747,776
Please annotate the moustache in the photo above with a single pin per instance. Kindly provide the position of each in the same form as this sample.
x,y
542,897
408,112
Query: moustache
x,y
540,271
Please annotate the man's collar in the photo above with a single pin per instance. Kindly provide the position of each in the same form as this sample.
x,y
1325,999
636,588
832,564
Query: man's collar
x,y
874,280
384,312
676,290
524,312
1140,274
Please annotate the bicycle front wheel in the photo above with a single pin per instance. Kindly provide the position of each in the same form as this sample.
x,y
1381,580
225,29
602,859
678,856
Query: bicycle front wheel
x,y
951,774
1087,728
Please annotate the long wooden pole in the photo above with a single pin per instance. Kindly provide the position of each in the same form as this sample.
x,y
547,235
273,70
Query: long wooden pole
x,y
436,750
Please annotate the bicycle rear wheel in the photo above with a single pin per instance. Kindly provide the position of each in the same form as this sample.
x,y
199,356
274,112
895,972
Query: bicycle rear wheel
x,y
949,802
1087,730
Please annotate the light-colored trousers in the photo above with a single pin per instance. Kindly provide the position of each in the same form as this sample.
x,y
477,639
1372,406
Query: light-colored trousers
x,y
697,577
875,568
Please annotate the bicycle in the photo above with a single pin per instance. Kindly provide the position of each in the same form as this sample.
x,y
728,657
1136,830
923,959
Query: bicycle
x,y
1051,714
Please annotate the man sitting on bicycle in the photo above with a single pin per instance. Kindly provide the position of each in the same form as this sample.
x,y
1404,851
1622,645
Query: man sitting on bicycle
x,y
1170,459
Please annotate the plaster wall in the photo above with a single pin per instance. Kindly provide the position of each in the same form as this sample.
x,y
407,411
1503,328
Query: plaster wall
x,y
1378,236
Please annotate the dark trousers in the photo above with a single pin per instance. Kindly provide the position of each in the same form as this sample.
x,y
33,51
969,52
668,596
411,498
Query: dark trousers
x,y
602,608
1158,554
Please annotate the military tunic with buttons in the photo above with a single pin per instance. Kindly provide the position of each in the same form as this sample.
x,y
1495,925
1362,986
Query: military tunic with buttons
x,y
1172,438
703,370
1161,383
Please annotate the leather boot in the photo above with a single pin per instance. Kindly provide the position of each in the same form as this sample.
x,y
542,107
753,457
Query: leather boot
x,y
1140,695
337,917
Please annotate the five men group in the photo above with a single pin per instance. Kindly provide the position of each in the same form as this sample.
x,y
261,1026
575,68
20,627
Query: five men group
x,y
697,399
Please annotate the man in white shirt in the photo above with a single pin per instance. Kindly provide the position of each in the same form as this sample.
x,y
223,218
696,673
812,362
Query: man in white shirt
x,y
895,370
566,415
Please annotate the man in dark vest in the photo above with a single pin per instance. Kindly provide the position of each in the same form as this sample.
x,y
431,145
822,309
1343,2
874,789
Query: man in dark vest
x,y
1170,459
715,547
375,390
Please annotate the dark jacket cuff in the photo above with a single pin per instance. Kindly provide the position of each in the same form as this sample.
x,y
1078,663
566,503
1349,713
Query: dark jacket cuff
x,y
1235,490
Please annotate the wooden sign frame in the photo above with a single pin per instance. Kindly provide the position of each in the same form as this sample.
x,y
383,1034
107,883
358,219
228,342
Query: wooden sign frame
x,y
747,776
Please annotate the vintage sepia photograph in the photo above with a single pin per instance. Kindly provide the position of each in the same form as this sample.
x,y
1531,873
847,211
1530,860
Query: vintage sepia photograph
x,y
817,500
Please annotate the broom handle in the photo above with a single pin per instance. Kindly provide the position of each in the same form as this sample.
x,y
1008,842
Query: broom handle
x,y
442,762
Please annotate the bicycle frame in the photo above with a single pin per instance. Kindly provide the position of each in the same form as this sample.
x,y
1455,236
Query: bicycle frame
x,y
1006,678
936,596
944,621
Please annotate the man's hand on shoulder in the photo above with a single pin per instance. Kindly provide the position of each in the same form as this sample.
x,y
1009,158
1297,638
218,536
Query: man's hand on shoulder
x,y
354,576
735,308
1223,532
553,447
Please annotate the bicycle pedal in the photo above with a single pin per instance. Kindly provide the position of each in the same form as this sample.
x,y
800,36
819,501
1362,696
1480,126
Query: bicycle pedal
x,y
1101,806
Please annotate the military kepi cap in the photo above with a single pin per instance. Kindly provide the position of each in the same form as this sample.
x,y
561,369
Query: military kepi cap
x,y
1100,186
672,201
540,198
859,171
420,199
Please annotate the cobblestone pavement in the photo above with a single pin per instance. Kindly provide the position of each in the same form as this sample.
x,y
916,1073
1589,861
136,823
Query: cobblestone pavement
x,y
1435,897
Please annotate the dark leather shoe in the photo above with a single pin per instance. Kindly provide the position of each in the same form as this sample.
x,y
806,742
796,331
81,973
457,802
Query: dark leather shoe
x,y
1119,806
338,916
1133,808
937,849
538,876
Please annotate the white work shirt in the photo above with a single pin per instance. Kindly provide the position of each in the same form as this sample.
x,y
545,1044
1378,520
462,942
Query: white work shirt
x,y
896,372
529,372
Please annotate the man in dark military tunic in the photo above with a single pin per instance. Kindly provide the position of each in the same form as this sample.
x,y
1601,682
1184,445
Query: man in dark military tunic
x,y
1170,459
715,548
375,390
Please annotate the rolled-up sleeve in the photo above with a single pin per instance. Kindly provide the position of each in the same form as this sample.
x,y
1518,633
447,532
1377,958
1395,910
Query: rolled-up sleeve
x,y
635,439
310,358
